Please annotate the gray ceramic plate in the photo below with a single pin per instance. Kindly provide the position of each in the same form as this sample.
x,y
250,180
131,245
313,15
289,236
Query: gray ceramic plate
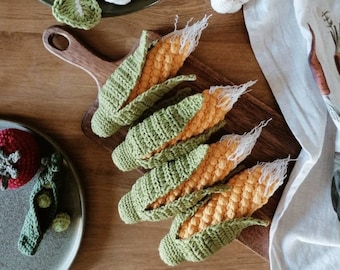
x,y
110,10
56,250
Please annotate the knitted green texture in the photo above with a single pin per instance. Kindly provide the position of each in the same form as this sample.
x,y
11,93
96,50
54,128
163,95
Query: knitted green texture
x,y
179,149
83,14
156,183
168,101
117,89
133,110
37,219
201,245
154,131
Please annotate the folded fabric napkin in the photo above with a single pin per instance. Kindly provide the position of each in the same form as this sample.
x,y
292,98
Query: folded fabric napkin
x,y
295,43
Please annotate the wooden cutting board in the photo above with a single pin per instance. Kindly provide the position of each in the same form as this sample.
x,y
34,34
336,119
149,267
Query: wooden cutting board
x,y
276,140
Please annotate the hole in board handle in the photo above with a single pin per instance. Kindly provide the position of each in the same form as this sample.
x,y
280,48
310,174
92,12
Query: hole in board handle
x,y
58,42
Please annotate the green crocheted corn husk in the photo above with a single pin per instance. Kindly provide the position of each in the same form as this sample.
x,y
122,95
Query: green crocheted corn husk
x,y
201,245
168,101
180,148
83,14
157,182
154,131
132,111
111,114
117,88
37,220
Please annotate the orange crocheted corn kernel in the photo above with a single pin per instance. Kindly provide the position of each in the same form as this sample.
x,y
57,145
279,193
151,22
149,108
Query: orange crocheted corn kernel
x,y
212,169
208,116
247,194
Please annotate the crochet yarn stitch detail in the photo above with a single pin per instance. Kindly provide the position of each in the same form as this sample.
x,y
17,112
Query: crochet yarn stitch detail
x,y
173,250
83,14
12,140
161,62
180,148
116,90
151,133
133,110
155,183
34,226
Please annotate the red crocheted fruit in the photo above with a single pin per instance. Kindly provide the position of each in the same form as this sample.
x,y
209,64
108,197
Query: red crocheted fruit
x,y
28,162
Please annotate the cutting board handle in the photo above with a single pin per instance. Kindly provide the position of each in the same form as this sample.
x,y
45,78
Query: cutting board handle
x,y
60,42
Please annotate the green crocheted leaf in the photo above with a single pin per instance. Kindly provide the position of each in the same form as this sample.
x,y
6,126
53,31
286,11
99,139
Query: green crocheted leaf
x,y
132,111
119,85
37,220
203,244
157,182
182,204
169,101
164,125
179,149
154,131
117,89
83,14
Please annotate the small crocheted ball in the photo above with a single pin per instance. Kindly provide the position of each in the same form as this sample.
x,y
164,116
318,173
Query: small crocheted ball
x,y
19,157
44,199
61,222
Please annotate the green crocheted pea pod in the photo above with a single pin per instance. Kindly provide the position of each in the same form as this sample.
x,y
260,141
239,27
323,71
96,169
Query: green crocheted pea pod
x,y
157,182
154,131
174,250
83,14
117,88
37,219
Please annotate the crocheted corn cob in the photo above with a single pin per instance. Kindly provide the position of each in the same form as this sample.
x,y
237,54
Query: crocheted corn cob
x,y
177,185
177,129
83,14
143,78
19,157
218,220
38,219
221,158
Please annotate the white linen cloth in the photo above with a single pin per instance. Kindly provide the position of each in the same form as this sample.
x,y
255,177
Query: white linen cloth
x,y
305,231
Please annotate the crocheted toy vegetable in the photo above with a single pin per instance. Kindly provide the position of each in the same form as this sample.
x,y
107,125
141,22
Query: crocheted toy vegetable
x,y
177,129
19,157
177,185
143,78
219,219
38,219
83,14
61,222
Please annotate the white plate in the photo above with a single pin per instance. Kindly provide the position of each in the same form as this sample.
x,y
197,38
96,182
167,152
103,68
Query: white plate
x,y
56,250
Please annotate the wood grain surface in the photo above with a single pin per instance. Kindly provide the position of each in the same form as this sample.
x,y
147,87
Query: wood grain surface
x,y
47,92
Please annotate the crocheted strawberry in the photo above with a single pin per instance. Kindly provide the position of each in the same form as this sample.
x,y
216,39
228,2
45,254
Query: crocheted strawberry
x,y
19,157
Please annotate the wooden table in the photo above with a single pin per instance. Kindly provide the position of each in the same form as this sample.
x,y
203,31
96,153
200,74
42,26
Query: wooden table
x,y
44,91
